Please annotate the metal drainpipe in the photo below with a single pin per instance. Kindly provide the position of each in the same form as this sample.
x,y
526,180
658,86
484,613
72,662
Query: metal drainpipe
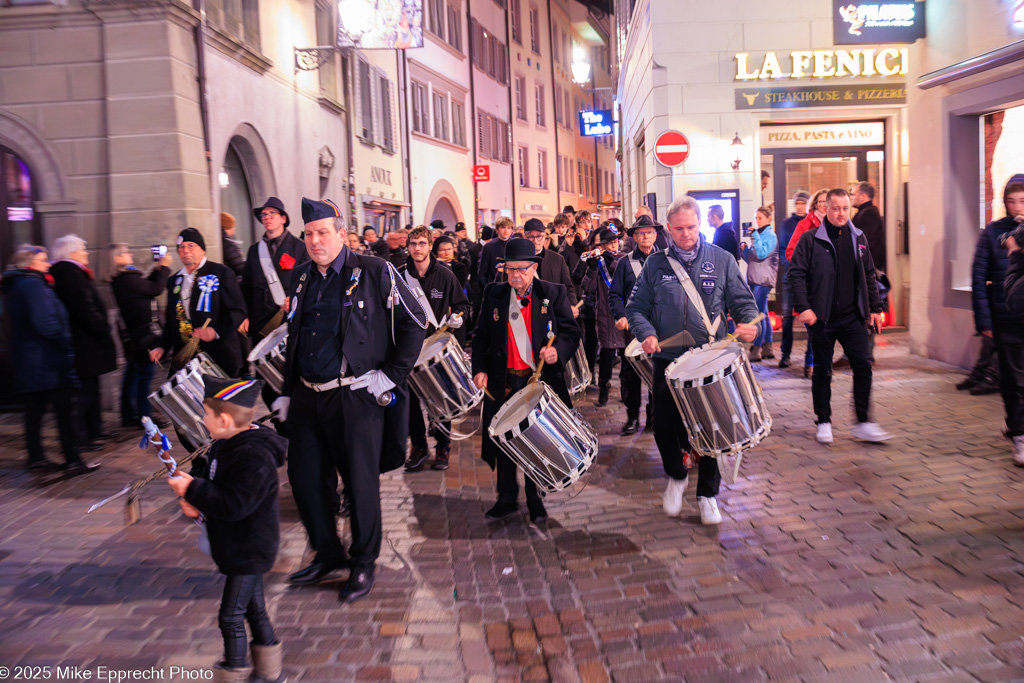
x,y
551,60
204,109
511,120
404,85
353,69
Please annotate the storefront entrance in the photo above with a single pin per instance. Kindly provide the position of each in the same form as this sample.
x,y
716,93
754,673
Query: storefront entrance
x,y
811,170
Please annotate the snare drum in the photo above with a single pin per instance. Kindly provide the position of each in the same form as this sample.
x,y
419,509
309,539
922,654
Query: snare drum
x,y
205,366
269,357
443,380
577,372
641,362
180,398
551,443
719,398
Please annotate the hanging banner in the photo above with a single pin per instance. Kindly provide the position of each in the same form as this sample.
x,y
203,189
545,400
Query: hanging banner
x,y
380,24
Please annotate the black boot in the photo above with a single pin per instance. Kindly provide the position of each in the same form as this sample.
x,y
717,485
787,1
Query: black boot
x,y
632,426
602,398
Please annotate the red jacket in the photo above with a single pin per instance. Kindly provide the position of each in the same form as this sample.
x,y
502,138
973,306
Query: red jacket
x,y
806,223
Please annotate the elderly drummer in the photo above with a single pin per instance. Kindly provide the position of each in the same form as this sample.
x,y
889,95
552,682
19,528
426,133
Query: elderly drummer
x,y
691,286
517,320
357,331
440,295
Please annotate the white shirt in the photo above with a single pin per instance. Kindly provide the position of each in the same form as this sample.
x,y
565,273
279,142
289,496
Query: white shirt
x,y
186,287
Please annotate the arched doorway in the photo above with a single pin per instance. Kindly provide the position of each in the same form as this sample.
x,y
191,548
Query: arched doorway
x,y
246,178
445,211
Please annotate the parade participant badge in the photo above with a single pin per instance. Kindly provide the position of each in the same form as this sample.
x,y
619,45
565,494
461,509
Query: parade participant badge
x,y
177,285
356,274
707,267
496,318
295,306
208,284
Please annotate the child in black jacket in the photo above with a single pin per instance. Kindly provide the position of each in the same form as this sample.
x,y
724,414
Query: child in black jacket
x,y
237,493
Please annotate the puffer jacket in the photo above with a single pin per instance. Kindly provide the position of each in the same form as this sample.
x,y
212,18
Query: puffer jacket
x,y
658,305
762,257
987,275
42,351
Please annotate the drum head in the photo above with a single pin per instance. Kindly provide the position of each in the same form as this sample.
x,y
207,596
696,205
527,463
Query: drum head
x,y
518,407
635,349
432,347
702,362
268,342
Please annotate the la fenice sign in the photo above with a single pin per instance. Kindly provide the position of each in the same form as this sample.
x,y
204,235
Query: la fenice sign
x,y
823,64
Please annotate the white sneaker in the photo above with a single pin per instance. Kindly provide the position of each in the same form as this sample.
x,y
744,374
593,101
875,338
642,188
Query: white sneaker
x,y
870,431
824,432
672,501
709,514
1018,451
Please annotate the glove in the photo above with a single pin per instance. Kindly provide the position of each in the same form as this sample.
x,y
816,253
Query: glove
x,y
374,381
280,405
456,321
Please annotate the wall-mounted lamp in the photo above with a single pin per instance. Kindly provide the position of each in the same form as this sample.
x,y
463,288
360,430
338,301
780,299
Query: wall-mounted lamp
x,y
580,66
223,179
736,142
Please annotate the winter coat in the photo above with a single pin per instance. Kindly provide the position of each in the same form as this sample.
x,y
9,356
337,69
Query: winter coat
x,y
725,238
808,222
786,230
233,258
623,280
658,305
762,257
134,295
441,288
488,267
871,224
987,275
554,269
291,252
1013,285
239,499
812,274
95,350
42,350
490,345
608,335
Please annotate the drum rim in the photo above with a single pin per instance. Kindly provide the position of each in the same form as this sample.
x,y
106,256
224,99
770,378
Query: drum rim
x,y
270,341
716,376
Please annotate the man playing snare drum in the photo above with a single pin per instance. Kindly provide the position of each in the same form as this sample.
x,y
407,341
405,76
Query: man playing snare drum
x,y
516,320
690,286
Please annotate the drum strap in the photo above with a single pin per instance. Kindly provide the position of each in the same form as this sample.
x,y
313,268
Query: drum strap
x,y
269,272
421,297
636,266
519,332
691,293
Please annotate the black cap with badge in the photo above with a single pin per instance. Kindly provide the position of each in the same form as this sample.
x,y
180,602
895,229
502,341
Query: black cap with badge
x,y
192,235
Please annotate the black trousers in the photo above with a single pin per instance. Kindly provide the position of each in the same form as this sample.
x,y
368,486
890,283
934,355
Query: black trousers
x,y
589,328
418,425
506,469
852,333
987,368
36,403
631,387
1010,347
605,364
90,419
672,439
340,430
243,602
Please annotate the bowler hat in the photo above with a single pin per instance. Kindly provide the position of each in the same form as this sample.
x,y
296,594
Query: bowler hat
x,y
273,203
645,221
519,249
607,236
568,209
437,224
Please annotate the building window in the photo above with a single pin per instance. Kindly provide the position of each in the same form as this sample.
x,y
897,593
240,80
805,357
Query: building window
x,y
524,178
326,29
558,106
557,55
440,116
538,92
579,175
364,96
517,21
387,127
542,169
535,29
521,98
420,109
454,28
238,19
570,115
435,18
459,123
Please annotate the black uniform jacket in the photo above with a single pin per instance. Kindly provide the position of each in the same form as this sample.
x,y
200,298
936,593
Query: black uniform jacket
x,y
240,499
227,311
367,344
290,255
441,288
554,269
490,344
95,351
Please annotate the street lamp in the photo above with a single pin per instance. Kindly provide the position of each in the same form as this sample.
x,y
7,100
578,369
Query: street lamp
x,y
357,17
580,66
736,142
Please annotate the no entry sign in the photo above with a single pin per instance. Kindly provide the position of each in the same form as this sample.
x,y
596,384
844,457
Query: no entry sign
x,y
671,148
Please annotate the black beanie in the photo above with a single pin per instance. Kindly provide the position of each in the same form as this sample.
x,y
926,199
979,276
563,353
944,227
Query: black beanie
x,y
192,235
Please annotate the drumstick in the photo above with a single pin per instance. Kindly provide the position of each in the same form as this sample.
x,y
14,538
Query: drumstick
x,y
540,365
757,318
185,354
579,303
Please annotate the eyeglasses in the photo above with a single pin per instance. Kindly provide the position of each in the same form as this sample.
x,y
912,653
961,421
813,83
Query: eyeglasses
x,y
510,269
267,214
537,238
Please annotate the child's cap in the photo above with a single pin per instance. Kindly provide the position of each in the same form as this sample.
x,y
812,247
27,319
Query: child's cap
x,y
241,392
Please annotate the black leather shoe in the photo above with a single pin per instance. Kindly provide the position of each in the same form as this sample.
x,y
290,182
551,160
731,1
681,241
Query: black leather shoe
x,y
784,362
316,570
538,515
966,384
417,456
501,510
358,586
984,388
602,397
632,426
81,467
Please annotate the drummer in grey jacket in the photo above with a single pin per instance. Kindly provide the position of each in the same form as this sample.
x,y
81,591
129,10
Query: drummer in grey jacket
x,y
660,308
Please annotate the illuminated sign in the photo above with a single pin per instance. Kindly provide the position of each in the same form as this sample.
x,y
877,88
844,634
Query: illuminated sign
x,y
866,133
825,64
369,24
596,122
897,21
836,95
1018,13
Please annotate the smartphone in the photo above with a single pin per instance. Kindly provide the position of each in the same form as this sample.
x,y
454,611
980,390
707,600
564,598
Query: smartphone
x,y
159,251
746,228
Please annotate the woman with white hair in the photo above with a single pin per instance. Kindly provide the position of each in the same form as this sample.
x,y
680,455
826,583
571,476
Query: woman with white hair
x,y
42,356
95,353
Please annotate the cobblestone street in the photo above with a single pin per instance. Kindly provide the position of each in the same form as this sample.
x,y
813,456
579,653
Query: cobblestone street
x,y
854,562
